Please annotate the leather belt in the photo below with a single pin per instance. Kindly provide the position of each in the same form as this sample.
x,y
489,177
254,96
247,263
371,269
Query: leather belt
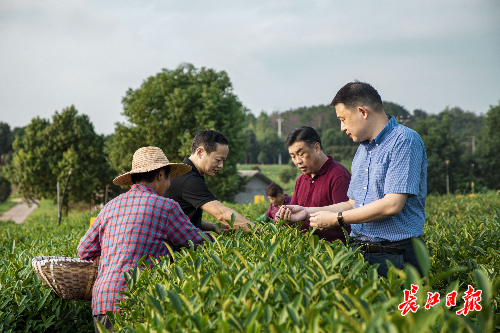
x,y
379,248
386,246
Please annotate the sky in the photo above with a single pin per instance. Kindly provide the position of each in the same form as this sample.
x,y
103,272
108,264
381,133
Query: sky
x,y
279,55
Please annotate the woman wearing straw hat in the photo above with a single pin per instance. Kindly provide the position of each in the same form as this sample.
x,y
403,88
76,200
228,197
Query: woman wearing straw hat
x,y
133,225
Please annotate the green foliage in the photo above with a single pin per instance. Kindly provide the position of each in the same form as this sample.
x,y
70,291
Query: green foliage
x,y
396,110
271,281
5,189
27,305
170,108
46,151
287,174
280,280
441,146
488,151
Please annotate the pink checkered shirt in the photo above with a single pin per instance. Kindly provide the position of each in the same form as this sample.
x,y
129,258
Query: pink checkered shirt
x,y
133,225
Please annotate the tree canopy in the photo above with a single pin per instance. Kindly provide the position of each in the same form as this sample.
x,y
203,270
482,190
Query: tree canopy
x,y
170,108
47,150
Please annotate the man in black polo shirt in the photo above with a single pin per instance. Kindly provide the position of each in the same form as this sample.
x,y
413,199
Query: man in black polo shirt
x,y
208,152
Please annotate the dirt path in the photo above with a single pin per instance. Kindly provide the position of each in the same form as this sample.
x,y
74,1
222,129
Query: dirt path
x,y
19,212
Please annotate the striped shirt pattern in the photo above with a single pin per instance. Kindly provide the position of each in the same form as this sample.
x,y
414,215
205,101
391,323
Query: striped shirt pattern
x,y
394,162
133,225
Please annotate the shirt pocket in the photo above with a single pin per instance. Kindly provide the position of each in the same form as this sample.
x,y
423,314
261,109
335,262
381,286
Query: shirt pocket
x,y
378,172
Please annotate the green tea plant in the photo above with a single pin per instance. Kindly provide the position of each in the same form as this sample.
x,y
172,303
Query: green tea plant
x,y
276,280
26,305
280,281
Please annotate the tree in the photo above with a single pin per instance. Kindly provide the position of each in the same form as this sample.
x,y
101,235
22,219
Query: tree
x,y
396,110
170,108
5,144
46,151
440,146
488,150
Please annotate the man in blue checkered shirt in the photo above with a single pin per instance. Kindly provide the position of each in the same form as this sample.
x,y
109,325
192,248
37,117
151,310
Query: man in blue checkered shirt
x,y
386,206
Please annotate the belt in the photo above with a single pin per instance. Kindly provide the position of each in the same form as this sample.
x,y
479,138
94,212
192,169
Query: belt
x,y
386,247
379,248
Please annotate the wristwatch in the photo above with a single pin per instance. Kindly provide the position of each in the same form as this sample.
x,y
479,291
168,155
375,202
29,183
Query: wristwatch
x,y
340,219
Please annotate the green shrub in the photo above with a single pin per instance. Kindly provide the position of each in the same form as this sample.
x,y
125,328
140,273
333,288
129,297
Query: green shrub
x,y
278,280
287,174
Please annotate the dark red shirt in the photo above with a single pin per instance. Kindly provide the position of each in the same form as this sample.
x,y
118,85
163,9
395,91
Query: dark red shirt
x,y
328,187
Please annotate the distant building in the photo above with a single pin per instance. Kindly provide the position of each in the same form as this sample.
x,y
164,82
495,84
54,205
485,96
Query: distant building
x,y
257,185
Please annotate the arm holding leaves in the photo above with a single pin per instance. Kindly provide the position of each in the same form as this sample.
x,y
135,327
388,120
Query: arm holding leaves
x,y
223,214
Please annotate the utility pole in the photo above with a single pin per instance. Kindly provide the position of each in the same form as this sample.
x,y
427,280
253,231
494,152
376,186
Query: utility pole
x,y
58,203
447,178
279,120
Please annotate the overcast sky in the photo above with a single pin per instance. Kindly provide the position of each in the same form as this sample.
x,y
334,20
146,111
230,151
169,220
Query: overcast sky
x,y
279,55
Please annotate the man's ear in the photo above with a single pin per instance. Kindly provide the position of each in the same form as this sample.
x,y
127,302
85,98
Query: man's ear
x,y
317,147
364,111
199,152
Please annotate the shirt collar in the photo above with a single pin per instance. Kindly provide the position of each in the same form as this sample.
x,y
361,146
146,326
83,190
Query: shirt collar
x,y
384,132
193,167
141,187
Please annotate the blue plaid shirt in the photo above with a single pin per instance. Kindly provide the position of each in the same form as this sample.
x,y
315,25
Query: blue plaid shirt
x,y
394,162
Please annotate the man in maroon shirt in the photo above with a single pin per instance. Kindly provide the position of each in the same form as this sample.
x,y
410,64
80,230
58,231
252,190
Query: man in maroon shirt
x,y
323,181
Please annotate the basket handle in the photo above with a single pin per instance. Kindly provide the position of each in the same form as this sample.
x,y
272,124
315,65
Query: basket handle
x,y
92,279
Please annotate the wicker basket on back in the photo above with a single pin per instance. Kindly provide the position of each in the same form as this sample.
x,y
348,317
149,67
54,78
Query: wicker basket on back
x,y
70,278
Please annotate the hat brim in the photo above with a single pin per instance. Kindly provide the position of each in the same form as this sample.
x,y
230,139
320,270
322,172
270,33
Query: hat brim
x,y
176,170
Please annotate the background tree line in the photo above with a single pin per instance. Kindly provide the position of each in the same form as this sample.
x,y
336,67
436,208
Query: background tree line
x,y
169,108
468,141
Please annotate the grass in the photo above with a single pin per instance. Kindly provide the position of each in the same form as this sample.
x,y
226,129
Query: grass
x,y
6,205
271,171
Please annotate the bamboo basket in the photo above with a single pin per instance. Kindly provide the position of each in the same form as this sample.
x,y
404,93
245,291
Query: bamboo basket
x,y
69,278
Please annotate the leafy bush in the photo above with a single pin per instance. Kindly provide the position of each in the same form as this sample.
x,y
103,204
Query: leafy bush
x,y
278,280
5,189
287,174
26,304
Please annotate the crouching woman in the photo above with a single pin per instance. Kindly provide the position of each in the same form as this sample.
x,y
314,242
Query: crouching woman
x,y
135,224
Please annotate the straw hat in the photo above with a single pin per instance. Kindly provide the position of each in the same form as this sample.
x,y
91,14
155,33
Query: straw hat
x,y
148,159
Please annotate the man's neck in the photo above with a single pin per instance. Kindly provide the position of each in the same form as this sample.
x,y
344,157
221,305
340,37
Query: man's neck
x,y
378,125
193,160
322,160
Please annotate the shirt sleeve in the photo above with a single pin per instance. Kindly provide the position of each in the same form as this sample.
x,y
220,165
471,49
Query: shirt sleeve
x,y
179,230
196,192
354,170
340,187
269,211
90,245
403,172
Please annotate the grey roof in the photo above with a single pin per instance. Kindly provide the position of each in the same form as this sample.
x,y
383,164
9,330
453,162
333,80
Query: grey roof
x,y
255,173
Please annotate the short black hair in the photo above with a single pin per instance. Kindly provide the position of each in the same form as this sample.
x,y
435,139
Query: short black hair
x,y
208,139
273,190
358,93
303,133
148,177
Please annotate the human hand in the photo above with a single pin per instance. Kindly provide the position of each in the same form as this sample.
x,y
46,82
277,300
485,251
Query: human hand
x,y
293,213
323,220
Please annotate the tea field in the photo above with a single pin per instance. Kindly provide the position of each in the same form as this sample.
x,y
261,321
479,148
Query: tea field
x,y
276,280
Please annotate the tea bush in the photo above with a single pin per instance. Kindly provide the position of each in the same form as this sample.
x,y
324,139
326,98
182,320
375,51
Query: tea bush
x,y
274,281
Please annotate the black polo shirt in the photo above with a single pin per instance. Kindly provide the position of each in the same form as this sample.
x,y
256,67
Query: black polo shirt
x,y
191,192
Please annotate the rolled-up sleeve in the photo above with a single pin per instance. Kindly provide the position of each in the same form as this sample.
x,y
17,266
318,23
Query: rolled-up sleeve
x,y
179,230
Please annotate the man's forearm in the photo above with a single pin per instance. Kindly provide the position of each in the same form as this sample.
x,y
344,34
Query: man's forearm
x,y
340,207
240,220
390,205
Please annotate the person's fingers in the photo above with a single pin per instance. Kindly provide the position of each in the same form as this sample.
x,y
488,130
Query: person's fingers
x,y
314,214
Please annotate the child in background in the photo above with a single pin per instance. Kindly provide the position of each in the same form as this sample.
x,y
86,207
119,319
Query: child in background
x,y
277,198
